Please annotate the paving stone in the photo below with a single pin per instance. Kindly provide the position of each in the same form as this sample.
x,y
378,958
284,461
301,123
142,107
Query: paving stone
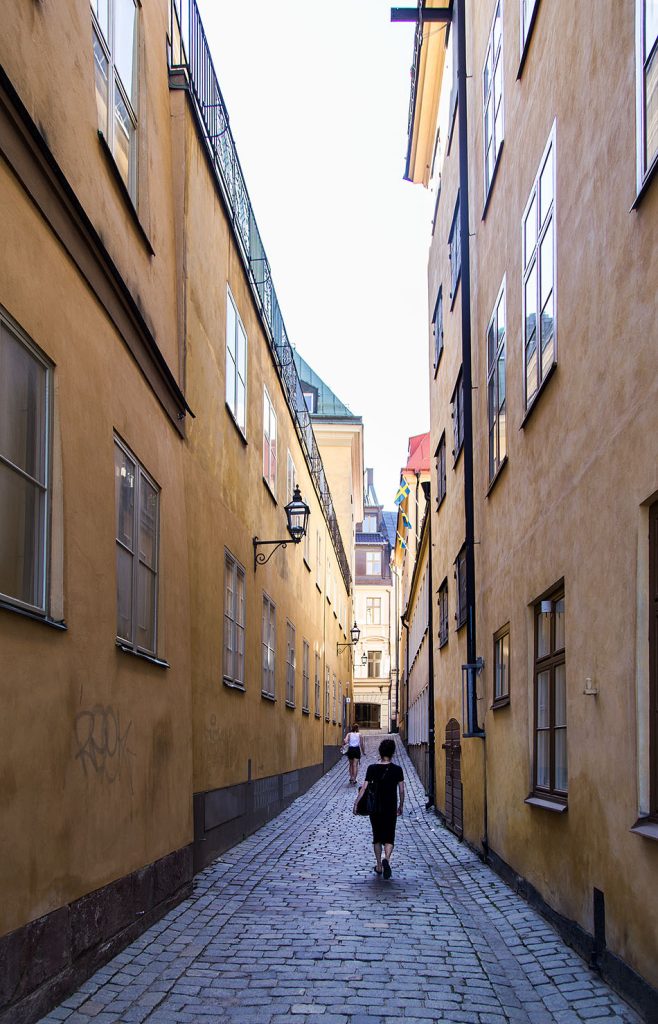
x,y
293,927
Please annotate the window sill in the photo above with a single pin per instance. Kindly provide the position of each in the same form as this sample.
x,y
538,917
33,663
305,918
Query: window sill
x,y
460,625
306,711
241,433
307,564
318,715
318,587
270,491
648,178
128,199
646,827
438,363
232,685
443,643
493,180
268,696
440,500
455,458
547,803
502,702
526,44
27,614
160,662
542,387
291,705
496,477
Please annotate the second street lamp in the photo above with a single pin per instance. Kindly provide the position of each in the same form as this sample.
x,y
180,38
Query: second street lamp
x,y
297,513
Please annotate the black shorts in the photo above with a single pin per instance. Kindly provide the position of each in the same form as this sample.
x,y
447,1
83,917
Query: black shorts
x,y
383,827
354,752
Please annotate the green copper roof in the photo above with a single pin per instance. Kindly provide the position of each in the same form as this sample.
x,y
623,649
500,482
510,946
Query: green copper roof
x,y
325,402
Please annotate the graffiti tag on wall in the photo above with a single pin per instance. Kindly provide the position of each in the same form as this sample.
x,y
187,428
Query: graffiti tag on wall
x,y
102,745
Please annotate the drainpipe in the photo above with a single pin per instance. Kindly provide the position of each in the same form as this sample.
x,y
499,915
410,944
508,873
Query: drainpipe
x,y
431,748
467,380
405,624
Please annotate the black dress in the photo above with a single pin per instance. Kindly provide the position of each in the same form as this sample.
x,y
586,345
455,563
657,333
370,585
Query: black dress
x,y
383,780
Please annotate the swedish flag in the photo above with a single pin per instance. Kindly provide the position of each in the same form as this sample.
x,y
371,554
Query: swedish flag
x,y
403,491
406,520
403,543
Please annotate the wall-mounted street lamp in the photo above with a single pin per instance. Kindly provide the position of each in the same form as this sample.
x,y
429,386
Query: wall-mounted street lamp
x,y
355,633
364,659
297,513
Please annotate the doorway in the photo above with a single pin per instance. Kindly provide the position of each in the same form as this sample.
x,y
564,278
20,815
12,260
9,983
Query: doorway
x,y
454,795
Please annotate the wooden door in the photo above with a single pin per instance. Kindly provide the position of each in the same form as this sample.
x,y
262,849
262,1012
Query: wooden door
x,y
454,805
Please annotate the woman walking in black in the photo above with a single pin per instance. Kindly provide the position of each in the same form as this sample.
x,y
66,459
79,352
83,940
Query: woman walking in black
x,y
384,784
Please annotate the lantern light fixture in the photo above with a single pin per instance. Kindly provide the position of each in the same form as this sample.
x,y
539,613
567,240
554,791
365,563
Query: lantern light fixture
x,y
297,513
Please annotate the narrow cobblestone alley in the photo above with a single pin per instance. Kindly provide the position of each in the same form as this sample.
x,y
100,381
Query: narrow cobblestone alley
x,y
293,925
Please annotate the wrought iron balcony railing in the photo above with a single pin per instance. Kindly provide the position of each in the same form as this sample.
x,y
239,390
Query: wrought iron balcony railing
x,y
189,53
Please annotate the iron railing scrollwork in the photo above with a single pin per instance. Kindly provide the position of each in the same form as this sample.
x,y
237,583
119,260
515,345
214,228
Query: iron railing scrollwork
x,y
189,54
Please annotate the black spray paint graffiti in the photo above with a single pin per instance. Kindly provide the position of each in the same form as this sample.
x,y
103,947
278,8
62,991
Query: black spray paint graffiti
x,y
102,746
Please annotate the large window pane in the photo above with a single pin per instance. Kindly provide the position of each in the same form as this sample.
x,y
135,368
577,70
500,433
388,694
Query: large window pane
x,y
546,188
22,520
124,594
100,9
22,407
102,84
124,497
651,110
543,700
530,233
148,533
123,138
543,760
559,624
561,774
146,584
124,42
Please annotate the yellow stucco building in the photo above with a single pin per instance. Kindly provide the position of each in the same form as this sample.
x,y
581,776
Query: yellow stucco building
x,y
544,416
163,694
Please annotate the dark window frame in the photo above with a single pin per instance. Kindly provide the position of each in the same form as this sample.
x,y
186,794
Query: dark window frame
x,y
441,470
437,320
455,252
444,622
457,415
462,597
548,663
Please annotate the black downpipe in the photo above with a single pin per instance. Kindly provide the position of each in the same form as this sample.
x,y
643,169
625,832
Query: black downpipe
x,y
405,624
431,751
467,378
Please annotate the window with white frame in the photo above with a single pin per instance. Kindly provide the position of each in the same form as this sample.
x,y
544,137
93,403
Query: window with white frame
x,y
373,611
538,241
25,398
455,251
268,684
492,97
527,18
114,32
369,524
307,547
234,605
330,582
236,364
306,658
374,664
316,684
318,561
291,665
137,504
496,396
291,478
327,695
501,666
269,442
333,713
647,87
373,563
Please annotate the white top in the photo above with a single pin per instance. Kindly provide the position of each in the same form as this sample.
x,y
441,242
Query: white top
x,y
353,739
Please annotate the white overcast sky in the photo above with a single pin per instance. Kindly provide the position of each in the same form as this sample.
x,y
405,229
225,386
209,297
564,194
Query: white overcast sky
x,y
318,96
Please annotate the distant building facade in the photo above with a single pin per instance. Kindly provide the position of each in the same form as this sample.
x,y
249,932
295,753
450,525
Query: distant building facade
x,y
374,609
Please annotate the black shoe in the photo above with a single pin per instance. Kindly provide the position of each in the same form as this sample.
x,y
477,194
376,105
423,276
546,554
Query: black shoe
x,y
386,867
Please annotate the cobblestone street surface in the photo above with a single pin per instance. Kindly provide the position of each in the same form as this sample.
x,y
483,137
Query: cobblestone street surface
x,y
293,926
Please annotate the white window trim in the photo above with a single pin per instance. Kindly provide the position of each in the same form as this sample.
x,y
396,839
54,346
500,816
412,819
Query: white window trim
x,y
236,677
643,173
497,143
306,675
291,663
502,294
373,553
317,682
233,405
265,643
524,36
42,608
113,83
140,471
534,194
271,478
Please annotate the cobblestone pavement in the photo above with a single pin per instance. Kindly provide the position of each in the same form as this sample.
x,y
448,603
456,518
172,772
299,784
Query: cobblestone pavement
x,y
293,926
